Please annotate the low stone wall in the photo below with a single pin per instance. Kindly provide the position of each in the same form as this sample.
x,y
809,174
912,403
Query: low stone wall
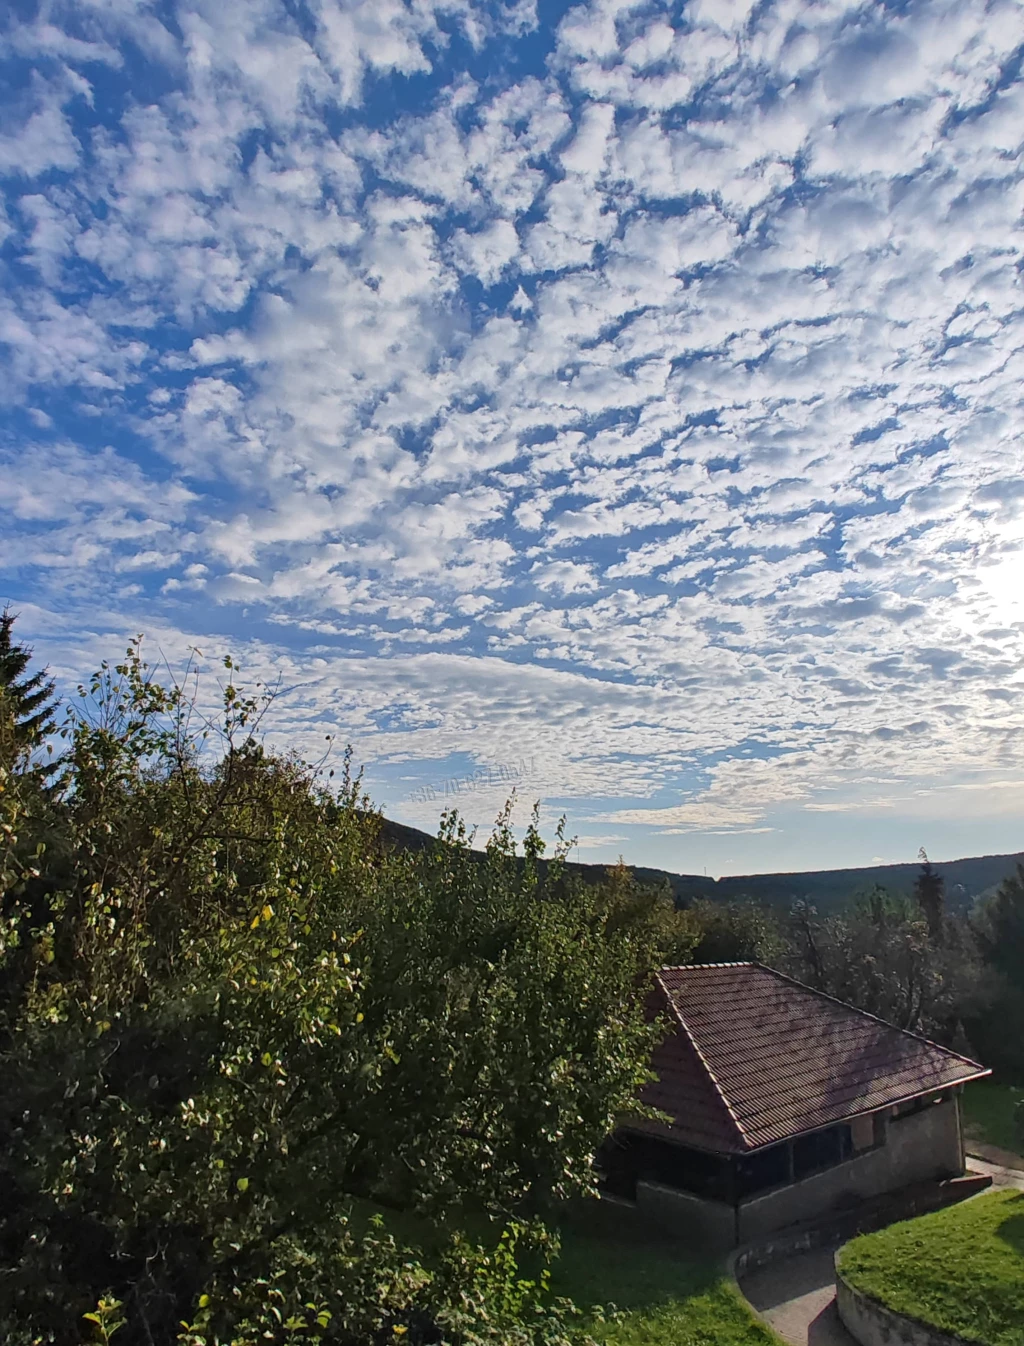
x,y
841,1226
873,1324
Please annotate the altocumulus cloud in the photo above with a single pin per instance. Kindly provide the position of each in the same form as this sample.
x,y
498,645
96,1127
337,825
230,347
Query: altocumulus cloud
x,y
632,388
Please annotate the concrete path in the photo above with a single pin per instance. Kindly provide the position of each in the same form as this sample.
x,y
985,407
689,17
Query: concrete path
x,y
1001,1175
992,1154
797,1297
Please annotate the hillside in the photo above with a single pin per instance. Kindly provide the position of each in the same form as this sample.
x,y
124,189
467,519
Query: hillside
x,y
966,880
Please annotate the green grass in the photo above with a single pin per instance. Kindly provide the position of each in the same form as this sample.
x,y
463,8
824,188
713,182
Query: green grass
x,y
959,1269
667,1296
988,1114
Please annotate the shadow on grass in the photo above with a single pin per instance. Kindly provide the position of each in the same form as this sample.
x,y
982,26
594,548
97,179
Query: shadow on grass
x,y
606,1255
1011,1230
666,1292
989,1114
604,1260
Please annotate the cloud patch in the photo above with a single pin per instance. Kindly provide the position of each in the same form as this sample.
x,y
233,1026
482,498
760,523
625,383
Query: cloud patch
x,y
650,382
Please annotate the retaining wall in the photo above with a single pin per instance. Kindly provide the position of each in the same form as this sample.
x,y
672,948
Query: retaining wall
x,y
873,1324
841,1226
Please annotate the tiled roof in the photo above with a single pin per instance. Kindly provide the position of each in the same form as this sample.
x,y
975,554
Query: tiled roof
x,y
755,1058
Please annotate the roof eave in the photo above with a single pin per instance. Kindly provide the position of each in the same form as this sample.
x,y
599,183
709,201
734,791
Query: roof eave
x,y
982,1073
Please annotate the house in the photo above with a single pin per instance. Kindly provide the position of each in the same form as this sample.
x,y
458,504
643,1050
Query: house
x,y
783,1103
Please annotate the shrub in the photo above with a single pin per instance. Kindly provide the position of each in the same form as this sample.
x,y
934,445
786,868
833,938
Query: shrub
x,y
226,1012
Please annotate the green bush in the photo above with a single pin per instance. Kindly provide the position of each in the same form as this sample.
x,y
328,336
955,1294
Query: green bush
x,y
227,1011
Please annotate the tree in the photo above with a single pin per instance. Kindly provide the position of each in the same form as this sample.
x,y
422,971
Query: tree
x,y
930,896
649,912
29,696
740,931
234,1013
998,1028
878,954
1001,928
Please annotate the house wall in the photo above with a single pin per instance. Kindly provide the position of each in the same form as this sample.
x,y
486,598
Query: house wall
x,y
922,1146
683,1215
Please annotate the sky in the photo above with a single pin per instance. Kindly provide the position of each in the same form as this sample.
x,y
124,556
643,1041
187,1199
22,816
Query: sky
x,y
620,402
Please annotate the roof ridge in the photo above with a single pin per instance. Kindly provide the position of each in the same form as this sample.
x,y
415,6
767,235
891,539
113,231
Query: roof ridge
x,y
685,967
744,1137
866,1014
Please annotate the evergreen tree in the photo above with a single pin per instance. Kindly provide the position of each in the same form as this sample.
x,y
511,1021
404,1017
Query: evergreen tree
x,y
1002,924
28,695
930,895
998,1031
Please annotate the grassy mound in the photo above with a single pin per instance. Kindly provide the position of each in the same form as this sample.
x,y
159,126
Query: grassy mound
x,y
959,1269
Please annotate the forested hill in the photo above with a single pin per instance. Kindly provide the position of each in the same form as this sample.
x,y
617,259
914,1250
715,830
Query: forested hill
x,y
966,880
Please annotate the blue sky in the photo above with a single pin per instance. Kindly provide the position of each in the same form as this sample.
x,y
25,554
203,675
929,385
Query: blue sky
x,y
619,399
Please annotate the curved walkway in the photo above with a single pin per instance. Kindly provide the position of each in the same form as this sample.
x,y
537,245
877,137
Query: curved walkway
x,y
796,1296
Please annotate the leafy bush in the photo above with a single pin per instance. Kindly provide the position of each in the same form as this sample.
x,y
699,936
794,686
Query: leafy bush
x,y
226,1011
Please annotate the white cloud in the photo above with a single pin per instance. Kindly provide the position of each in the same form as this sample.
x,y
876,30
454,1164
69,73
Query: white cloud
x,y
725,456
489,251
44,141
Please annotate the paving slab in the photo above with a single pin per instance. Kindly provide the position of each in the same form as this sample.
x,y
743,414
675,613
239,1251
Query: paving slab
x,y
797,1298
992,1154
1001,1174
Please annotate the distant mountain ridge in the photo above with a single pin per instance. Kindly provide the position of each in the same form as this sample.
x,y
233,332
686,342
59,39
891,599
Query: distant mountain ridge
x,y
966,879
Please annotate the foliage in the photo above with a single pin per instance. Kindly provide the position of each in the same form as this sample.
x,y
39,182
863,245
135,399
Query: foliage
x,y
879,954
998,1028
960,1269
650,912
30,696
736,932
226,1010
930,896
1001,928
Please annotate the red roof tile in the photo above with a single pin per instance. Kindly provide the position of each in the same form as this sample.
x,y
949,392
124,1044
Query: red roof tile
x,y
756,1057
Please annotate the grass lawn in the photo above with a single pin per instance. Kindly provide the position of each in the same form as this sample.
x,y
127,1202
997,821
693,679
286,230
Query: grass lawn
x,y
959,1269
668,1296
988,1114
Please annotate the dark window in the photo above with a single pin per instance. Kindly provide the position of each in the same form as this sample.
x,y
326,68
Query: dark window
x,y
627,1158
821,1149
764,1169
